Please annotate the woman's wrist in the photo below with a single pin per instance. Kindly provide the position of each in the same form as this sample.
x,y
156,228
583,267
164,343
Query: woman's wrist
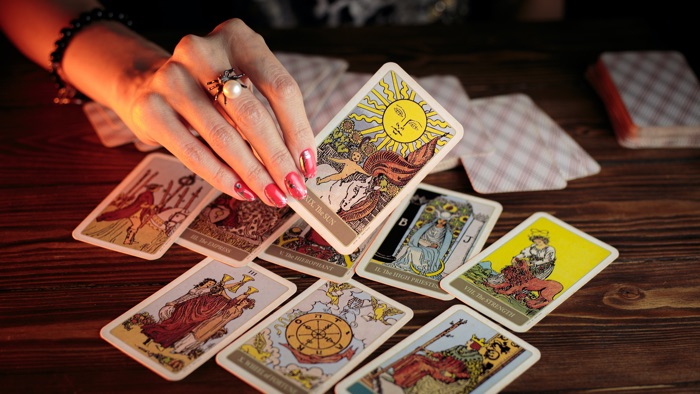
x,y
109,62
67,94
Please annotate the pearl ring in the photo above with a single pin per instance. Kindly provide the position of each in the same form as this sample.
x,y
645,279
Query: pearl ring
x,y
228,84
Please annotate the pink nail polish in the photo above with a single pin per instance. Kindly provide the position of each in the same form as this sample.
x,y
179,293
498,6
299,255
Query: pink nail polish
x,y
244,191
275,196
295,185
307,163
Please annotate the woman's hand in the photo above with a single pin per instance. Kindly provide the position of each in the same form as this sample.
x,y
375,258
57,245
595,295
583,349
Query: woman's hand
x,y
174,97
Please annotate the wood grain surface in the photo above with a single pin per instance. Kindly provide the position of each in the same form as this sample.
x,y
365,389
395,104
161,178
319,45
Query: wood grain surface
x,y
633,328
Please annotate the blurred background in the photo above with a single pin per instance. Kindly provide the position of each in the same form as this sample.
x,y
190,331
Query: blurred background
x,y
672,21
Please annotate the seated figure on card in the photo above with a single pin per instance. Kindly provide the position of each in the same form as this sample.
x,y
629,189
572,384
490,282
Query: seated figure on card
x,y
427,247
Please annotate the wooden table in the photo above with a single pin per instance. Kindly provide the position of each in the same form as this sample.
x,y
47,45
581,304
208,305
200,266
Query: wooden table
x,y
633,327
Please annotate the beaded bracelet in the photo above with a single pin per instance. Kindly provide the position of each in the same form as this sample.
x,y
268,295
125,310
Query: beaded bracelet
x,y
67,94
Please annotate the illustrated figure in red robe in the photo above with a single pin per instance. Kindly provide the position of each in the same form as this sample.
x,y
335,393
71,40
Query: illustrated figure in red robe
x,y
138,212
447,366
189,314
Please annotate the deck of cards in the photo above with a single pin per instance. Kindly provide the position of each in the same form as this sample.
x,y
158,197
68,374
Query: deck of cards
x,y
652,98
367,212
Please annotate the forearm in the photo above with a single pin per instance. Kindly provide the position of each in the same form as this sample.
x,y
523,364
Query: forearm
x,y
108,61
104,60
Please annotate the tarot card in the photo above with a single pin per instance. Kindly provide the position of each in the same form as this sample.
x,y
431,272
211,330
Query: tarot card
x,y
303,249
149,209
234,231
523,276
457,352
517,162
372,154
448,91
109,128
431,234
184,324
314,340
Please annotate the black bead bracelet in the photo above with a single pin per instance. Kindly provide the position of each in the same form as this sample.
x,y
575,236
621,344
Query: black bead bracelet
x,y
67,94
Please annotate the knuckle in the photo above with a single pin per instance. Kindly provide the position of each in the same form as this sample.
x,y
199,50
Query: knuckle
x,y
188,45
251,112
284,86
253,171
145,106
220,178
302,129
167,73
192,154
221,134
279,156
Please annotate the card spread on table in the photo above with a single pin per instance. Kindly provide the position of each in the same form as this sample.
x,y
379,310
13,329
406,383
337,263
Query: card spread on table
x,y
149,209
302,248
457,352
428,236
315,339
531,152
374,151
184,324
234,231
523,276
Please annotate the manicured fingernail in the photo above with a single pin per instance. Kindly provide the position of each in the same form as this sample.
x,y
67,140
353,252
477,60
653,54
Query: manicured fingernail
x,y
295,185
307,163
244,191
275,196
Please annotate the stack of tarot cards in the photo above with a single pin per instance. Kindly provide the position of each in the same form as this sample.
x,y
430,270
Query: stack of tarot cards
x,y
652,98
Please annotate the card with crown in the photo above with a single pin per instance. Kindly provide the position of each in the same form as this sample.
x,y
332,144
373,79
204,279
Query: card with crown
x,y
528,272
181,326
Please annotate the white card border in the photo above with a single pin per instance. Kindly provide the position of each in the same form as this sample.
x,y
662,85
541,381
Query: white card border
x,y
195,247
315,272
77,232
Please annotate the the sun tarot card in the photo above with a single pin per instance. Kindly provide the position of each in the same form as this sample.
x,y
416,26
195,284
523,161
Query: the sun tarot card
x,y
372,154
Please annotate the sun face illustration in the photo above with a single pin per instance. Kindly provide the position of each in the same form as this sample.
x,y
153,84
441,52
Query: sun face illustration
x,y
396,118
